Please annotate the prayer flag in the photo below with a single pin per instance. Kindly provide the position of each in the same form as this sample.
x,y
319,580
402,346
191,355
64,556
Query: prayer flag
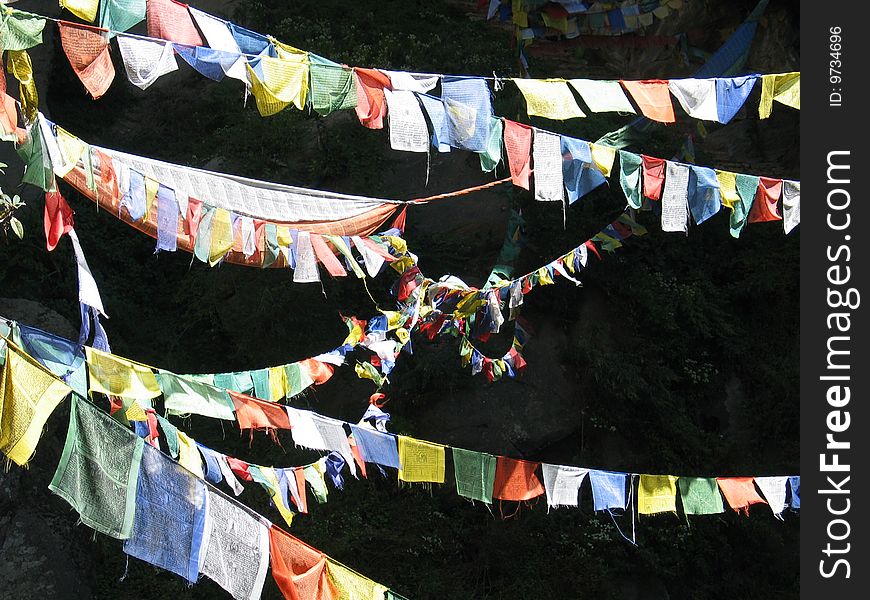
x,y
549,98
332,86
184,396
700,496
121,15
747,186
115,376
704,198
468,106
675,198
20,31
170,516
629,177
408,129
376,446
236,554
602,96
766,205
547,159
653,176
516,480
420,461
774,490
475,474
490,158
731,95
784,88
256,414
562,484
351,585
739,492
608,489
697,97
219,37
28,396
298,569
653,99
518,144
170,20
280,82
791,204
657,493
146,60
57,220
371,103
579,176
83,9
99,470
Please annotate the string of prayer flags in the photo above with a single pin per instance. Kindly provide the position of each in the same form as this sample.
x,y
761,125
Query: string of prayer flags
x,y
518,144
332,86
28,396
791,204
602,96
739,492
774,491
731,95
371,103
468,107
562,484
408,129
549,98
700,496
656,494
83,9
236,542
547,158
697,97
475,474
350,584
516,480
653,99
766,204
170,514
420,461
99,470
608,489
784,88
19,30
298,569
170,20
121,15
145,61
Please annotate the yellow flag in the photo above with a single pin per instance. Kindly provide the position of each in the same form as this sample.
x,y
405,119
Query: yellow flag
x,y
657,493
351,585
420,461
603,157
83,9
18,63
151,189
549,98
728,188
135,412
71,148
28,395
115,376
284,82
188,455
285,240
277,383
784,88
221,235
274,490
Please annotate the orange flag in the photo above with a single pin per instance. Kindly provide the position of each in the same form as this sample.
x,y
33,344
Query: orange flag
x,y
371,104
518,142
516,480
87,49
256,414
652,98
739,492
298,569
766,205
171,20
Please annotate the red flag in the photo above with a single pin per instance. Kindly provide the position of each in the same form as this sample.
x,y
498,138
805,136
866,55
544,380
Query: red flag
x,y
58,219
518,143
87,49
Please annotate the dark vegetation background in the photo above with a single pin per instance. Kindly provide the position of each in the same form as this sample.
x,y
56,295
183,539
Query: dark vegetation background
x,y
679,355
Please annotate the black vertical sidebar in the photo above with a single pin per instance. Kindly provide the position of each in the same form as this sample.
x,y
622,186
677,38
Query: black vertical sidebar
x,y
835,111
